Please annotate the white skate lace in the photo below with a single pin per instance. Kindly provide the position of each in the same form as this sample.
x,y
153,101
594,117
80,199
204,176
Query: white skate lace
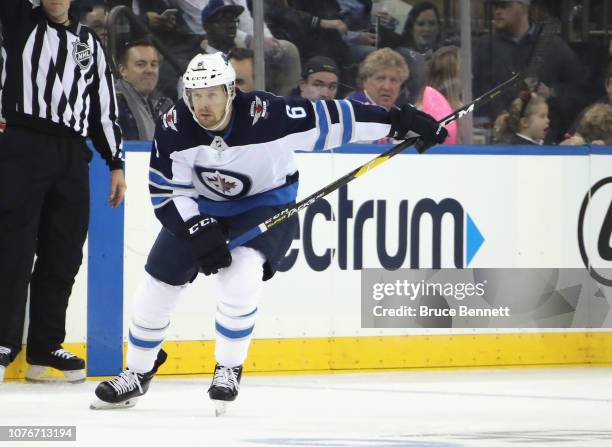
x,y
63,354
4,350
225,378
126,382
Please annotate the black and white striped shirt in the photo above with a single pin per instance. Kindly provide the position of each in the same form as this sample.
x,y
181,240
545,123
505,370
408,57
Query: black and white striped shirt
x,y
55,79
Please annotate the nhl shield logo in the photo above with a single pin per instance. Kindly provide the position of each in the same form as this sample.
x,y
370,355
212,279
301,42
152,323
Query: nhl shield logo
x,y
81,53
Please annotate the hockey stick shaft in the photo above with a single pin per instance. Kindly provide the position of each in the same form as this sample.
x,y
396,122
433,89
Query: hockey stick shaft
x,y
391,152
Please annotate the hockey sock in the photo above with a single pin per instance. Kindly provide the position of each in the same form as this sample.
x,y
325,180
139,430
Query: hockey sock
x,y
153,306
239,289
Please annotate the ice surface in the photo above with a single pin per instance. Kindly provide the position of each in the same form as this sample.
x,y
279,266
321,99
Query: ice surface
x,y
502,407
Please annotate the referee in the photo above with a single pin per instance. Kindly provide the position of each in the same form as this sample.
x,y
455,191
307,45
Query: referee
x,y
56,90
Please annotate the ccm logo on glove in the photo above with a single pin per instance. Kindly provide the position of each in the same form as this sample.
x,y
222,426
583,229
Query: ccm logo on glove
x,y
208,244
201,224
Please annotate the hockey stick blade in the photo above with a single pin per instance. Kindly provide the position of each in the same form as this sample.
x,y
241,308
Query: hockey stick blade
x,y
305,203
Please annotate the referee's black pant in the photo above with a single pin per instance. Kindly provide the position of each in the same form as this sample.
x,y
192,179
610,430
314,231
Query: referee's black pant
x,y
44,211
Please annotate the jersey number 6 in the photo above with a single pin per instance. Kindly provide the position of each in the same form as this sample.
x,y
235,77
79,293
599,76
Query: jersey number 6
x,y
296,112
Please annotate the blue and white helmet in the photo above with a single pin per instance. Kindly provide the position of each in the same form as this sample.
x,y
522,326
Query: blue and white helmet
x,y
209,70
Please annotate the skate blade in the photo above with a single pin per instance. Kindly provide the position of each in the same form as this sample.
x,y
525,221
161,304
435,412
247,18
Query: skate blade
x,y
220,407
101,405
2,368
46,374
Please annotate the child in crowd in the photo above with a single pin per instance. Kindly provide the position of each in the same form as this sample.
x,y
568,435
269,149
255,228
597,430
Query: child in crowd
x,y
595,127
525,123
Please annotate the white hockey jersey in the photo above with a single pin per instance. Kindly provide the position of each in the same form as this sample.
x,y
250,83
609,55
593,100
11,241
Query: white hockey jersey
x,y
251,163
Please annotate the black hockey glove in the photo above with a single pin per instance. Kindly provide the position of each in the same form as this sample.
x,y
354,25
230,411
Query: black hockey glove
x,y
208,244
409,118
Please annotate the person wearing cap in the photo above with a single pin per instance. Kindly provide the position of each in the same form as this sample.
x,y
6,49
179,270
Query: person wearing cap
x,y
508,50
220,21
231,25
319,79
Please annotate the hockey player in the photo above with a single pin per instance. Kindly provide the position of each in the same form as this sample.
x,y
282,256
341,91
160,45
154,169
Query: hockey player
x,y
222,162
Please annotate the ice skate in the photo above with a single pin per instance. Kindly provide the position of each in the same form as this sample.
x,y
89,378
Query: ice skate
x,y
224,387
41,364
124,390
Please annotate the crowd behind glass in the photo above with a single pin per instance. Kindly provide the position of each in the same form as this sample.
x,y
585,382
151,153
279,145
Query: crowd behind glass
x,y
385,52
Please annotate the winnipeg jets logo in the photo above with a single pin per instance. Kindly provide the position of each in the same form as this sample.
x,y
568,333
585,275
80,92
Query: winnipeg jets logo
x,y
220,183
169,119
227,184
81,53
259,109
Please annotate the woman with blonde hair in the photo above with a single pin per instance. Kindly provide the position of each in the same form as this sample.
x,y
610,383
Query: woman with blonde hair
x,y
442,94
444,68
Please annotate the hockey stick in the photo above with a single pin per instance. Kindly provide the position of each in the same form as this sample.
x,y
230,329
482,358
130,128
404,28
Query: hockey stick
x,y
305,203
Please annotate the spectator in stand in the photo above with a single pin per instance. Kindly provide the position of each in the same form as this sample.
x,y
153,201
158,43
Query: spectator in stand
x,y
421,35
380,78
606,99
360,15
220,21
381,75
319,79
443,92
282,57
242,61
444,74
314,26
343,30
508,50
435,104
525,123
139,103
423,29
96,19
595,127
168,24
366,27
161,17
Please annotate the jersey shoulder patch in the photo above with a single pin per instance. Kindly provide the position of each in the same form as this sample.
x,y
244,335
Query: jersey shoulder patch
x,y
169,119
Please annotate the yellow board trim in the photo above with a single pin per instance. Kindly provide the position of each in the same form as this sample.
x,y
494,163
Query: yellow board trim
x,y
311,355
